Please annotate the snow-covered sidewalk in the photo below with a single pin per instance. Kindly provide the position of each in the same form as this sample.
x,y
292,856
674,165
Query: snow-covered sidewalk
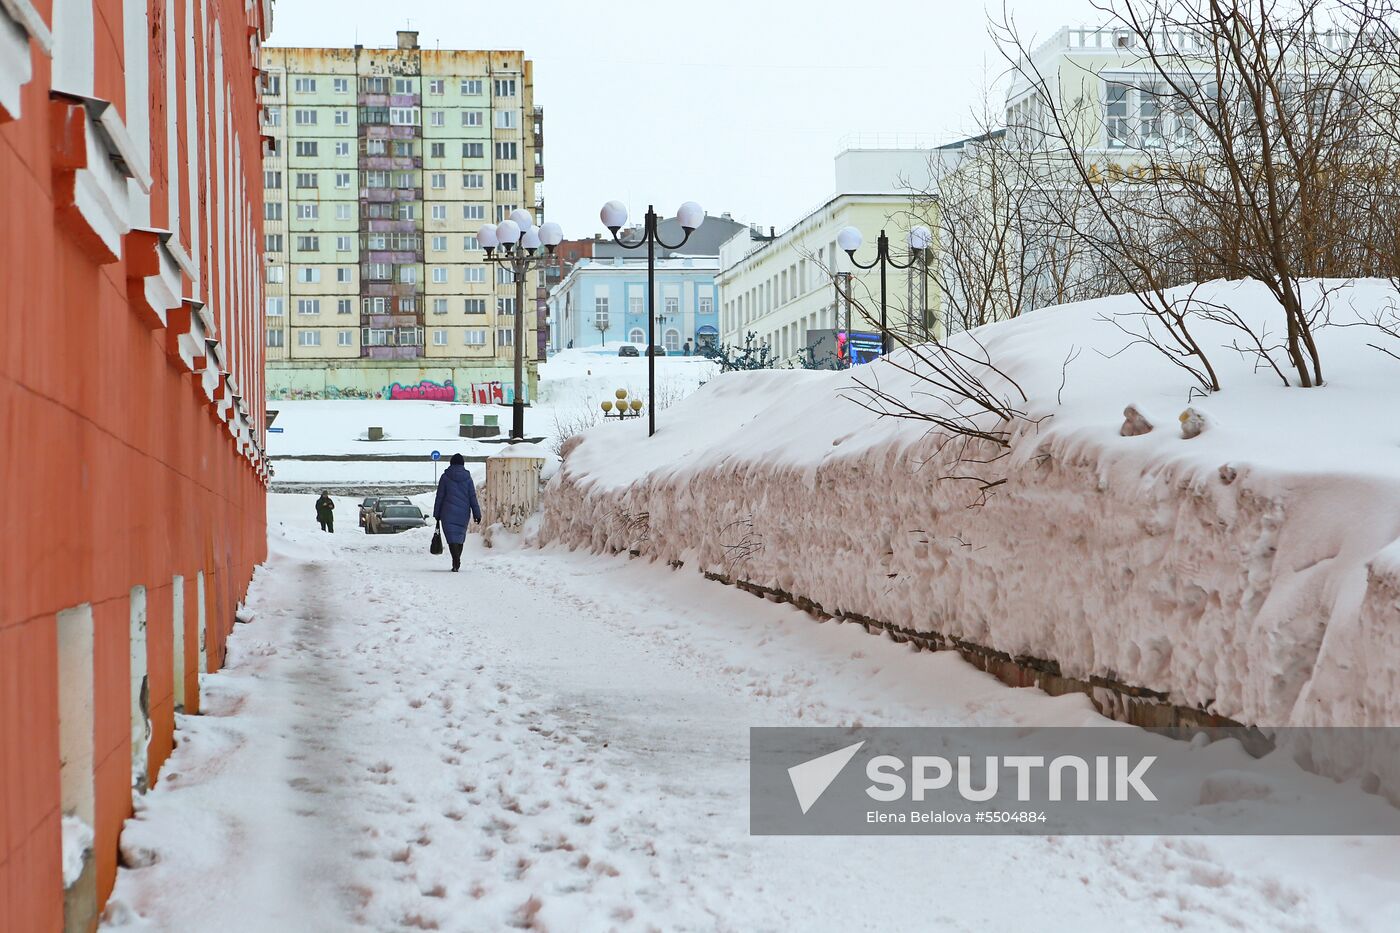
x,y
560,741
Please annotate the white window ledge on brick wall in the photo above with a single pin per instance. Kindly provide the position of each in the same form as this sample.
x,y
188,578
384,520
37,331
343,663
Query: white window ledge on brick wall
x,y
100,190
19,22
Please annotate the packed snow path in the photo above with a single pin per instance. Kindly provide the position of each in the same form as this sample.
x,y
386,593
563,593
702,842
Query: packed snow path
x,y
558,741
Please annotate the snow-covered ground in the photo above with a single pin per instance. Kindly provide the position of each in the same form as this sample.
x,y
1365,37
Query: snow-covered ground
x,y
1252,570
555,740
572,384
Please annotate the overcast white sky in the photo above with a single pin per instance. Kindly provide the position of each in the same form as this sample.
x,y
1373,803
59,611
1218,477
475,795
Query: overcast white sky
x,y
738,104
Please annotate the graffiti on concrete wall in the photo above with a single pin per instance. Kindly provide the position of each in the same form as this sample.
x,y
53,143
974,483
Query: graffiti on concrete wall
x,y
295,393
427,390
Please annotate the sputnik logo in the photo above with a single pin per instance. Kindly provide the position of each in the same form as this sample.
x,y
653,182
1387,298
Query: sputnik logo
x,y
811,778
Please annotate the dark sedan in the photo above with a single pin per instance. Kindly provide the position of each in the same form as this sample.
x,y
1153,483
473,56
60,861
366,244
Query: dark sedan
x,y
393,519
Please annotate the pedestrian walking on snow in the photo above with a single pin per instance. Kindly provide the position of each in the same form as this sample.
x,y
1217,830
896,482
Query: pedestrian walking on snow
x,y
325,512
455,506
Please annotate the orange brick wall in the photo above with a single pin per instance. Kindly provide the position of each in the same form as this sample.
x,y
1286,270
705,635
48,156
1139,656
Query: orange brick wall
x,y
119,470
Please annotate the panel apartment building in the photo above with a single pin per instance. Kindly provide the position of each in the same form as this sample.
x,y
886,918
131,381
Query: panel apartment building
x,y
380,166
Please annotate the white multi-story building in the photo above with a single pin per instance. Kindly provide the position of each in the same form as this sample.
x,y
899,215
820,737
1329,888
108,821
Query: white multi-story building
x,y
784,288
380,167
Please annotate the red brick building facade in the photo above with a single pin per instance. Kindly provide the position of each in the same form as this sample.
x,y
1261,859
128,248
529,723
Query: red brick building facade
x,y
131,412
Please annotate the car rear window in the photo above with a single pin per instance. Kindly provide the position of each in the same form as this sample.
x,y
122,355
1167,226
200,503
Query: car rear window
x,y
402,511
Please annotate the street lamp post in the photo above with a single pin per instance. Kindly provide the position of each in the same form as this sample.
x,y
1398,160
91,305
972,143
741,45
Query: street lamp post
x,y
850,239
521,246
614,216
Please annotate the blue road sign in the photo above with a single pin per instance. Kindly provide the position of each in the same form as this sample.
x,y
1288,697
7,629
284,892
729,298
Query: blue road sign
x,y
275,430
436,455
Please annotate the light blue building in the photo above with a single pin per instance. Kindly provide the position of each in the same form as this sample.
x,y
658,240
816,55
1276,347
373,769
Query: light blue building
x,y
602,302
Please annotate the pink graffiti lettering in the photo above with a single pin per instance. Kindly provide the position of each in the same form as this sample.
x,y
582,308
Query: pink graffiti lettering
x,y
425,391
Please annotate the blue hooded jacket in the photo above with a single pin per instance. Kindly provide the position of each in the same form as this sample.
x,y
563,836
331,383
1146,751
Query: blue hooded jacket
x,y
456,503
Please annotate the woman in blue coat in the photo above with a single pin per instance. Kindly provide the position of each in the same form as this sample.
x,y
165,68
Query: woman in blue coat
x,y
455,506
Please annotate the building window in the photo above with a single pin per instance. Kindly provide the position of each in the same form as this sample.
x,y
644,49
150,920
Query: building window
x,y
470,243
308,306
308,275
272,180
435,86
404,86
671,305
705,305
507,181
475,337
379,271
437,118
439,212
342,274
342,118
474,211
474,274
439,305
272,116
439,244
306,147
275,274
507,151
505,276
272,84
406,180
306,179
636,304
475,306
274,306
473,180
439,275
505,337
471,118
308,244
345,306
438,180
340,85
342,179
673,340
600,313
439,338
503,211
408,275
505,306
308,211
473,150
376,178
375,85
438,150
403,116
272,242
505,87
507,119
637,335
309,338
274,338
471,87
342,244
304,85
272,210
407,211
342,149
305,117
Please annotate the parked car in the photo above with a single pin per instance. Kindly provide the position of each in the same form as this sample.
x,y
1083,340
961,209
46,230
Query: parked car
x,y
395,518
367,505
656,351
391,500
628,350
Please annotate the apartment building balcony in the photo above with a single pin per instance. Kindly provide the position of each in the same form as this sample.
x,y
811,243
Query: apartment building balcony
x,y
372,225
391,194
399,257
391,353
372,100
390,289
391,163
405,100
385,321
388,131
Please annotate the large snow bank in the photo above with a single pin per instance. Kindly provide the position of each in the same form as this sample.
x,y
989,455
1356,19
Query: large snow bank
x,y
1252,570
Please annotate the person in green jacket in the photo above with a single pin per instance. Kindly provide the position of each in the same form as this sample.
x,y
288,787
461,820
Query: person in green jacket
x,y
325,512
